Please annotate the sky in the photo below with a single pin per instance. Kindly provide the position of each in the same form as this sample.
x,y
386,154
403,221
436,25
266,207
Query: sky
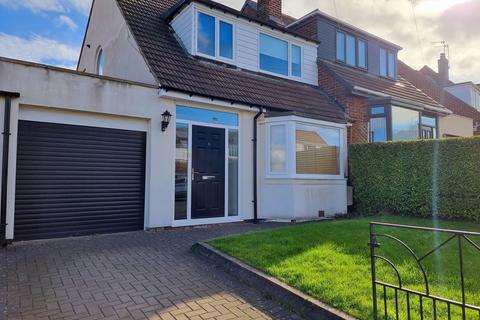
x,y
51,31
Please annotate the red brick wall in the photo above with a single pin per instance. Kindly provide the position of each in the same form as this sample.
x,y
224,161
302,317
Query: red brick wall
x,y
267,8
307,28
356,107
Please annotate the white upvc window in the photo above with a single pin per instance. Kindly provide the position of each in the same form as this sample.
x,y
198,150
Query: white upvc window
x,y
279,57
215,37
300,148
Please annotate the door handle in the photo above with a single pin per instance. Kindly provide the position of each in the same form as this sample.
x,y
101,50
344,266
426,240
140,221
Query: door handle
x,y
208,177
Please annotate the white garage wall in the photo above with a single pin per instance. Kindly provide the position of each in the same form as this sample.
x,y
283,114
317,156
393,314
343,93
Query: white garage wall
x,y
63,96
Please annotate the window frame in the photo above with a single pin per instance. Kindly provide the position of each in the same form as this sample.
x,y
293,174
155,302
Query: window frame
x,y
100,57
357,40
387,63
291,45
217,55
289,53
366,53
389,121
386,115
291,162
344,46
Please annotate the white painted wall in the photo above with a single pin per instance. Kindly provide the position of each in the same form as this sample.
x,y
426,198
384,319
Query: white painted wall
x,y
107,29
297,199
64,96
246,38
455,125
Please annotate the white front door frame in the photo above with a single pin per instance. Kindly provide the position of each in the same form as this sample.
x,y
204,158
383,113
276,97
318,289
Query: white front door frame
x,y
192,222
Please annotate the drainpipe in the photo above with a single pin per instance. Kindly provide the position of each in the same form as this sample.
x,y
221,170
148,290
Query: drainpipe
x,y
255,169
5,153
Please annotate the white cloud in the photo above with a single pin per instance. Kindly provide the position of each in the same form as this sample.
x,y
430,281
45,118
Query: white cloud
x,y
64,20
34,5
37,49
82,6
38,6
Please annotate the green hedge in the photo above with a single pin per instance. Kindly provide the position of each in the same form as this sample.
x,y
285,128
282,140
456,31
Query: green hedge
x,y
399,178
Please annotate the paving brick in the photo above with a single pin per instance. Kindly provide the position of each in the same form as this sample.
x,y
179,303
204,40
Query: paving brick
x,y
139,275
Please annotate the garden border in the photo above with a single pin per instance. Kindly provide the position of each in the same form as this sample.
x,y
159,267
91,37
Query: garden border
x,y
299,302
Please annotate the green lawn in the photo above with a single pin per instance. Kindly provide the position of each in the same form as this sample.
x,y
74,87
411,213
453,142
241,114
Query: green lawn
x,y
330,261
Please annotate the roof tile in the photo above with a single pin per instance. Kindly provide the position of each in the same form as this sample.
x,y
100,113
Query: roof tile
x,y
401,89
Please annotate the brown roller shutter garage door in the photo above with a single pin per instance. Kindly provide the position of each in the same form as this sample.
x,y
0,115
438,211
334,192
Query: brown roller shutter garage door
x,y
78,180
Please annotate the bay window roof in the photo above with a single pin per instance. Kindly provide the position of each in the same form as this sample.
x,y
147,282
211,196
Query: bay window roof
x,y
400,91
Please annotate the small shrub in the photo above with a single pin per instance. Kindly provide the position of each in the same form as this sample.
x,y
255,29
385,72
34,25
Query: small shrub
x,y
418,178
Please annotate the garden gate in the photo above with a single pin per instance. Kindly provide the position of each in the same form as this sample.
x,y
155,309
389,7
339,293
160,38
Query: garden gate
x,y
381,289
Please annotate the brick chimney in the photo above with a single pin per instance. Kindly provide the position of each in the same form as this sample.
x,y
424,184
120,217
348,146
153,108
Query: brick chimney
x,y
443,69
269,9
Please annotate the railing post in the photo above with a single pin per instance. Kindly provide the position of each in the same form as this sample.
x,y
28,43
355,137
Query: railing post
x,y
373,244
462,275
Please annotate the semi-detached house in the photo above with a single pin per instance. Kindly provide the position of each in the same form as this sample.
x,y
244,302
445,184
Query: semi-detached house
x,y
189,112
180,114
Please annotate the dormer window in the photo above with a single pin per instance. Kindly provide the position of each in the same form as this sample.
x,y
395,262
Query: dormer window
x,y
388,63
275,57
351,50
214,37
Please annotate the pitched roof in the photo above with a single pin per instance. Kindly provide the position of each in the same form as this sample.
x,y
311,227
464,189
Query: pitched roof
x,y
433,75
250,8
435,91
378,86
337,22
175,69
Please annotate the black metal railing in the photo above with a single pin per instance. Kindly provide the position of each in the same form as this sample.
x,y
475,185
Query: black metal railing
x,y
381,288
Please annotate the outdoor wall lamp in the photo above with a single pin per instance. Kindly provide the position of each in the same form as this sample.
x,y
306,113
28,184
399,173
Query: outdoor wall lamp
x,y
166,116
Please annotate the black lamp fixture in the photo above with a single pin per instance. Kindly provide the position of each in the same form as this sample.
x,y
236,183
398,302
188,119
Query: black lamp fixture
x,y
166,116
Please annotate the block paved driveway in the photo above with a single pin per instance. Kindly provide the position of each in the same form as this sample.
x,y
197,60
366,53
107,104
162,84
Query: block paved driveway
x,y
136,275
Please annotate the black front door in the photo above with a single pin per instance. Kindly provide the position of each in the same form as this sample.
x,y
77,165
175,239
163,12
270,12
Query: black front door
x,y
208,172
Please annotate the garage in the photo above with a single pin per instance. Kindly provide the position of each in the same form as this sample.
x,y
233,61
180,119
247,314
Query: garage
x,y
78,180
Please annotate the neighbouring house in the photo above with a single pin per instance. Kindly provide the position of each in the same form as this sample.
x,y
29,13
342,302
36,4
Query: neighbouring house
x,y
360,71
465,120
468,91
181,113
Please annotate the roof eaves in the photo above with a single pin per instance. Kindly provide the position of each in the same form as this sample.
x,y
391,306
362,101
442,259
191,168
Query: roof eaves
x,y
409,104
168,15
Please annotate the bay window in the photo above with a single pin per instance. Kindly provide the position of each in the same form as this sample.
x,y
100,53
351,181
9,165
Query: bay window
x,y
317,150
405,124
304,150
429,127
278,148
393,123
378,124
